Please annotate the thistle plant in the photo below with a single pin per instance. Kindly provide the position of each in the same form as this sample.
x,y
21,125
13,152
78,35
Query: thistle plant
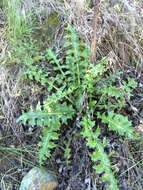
x,y
74,77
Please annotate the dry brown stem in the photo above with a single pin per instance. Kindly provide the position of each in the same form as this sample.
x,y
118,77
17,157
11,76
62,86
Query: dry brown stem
x,y
93,42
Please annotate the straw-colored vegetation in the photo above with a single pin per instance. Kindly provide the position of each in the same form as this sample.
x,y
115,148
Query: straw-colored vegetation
x,y
47,79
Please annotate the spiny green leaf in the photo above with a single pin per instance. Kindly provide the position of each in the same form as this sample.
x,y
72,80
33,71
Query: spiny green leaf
x,y
104,166
118,123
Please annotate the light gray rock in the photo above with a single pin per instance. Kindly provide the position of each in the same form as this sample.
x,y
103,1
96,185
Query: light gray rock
x,y
39,179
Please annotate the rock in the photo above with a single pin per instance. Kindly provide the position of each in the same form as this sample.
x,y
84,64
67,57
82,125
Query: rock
x,y
39,179
44,34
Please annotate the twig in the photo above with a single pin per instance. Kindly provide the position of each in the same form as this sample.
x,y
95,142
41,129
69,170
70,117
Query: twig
x,y
95,22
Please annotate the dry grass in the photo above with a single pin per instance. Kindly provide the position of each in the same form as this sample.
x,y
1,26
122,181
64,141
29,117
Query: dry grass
x,y
119,36
120,28
10,79
10,87
122,32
